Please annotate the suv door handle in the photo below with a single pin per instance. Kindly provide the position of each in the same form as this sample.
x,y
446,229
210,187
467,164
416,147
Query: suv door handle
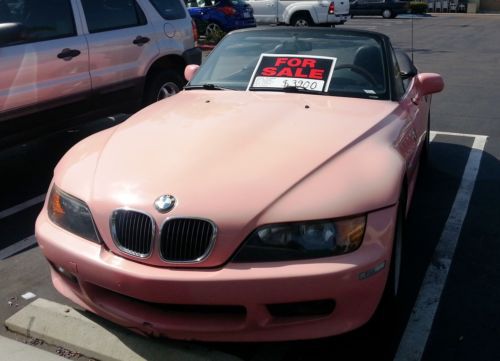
x,y
68,54
141,40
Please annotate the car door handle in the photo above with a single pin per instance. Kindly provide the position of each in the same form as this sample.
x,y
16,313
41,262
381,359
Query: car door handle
x,y
68,54
141,40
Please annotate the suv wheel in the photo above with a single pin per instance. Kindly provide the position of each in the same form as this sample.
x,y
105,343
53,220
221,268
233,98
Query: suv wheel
x,y
162,85
387,14
301,20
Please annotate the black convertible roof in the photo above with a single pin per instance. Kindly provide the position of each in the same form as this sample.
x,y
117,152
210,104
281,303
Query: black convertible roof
x,y
316,31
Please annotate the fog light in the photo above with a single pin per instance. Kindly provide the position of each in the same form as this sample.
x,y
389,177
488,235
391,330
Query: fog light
x,y
302,309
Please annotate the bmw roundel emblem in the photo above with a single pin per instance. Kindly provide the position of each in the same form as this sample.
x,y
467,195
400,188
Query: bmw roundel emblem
x,y
165,203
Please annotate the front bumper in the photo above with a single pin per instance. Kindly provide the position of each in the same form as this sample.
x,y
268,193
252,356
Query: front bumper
x,y
231,303
337,19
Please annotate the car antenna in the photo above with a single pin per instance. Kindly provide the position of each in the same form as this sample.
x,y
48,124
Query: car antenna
x,y
412,16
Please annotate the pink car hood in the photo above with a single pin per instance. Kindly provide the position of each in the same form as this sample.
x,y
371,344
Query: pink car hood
x,y
226,156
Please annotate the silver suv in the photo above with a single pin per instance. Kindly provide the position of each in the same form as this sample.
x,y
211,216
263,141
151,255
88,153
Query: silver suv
x,y
97,52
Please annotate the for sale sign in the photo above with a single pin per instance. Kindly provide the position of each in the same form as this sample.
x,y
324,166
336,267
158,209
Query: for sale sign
x,y
279,71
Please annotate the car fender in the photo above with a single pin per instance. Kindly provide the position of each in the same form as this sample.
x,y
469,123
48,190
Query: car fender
x,y
172,36
175,62
166,46
82,158
308,6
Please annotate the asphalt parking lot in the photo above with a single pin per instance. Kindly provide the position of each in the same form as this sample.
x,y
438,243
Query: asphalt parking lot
x,y
451,284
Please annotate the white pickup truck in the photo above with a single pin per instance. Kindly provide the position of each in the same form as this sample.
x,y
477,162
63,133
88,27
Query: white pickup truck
x,y
300,13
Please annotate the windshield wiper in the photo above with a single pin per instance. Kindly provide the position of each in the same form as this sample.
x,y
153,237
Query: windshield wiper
x,y
206,86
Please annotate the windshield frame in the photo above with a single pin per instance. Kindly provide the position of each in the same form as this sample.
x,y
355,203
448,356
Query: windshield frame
x,y
382,40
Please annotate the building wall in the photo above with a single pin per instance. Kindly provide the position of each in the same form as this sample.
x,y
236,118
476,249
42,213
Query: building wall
x,y
489,6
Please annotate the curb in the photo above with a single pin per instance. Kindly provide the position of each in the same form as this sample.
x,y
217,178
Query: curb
x,y
63,326
16,351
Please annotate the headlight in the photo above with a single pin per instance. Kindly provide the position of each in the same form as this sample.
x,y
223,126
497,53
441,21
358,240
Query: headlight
x,y
71,214
303,240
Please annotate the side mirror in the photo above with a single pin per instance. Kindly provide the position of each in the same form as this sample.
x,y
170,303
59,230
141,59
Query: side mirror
x,y
430,83
190,71
11,33
408,75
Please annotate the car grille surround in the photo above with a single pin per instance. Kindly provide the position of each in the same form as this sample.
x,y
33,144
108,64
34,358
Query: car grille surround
x,y
186,239
181,240
133,232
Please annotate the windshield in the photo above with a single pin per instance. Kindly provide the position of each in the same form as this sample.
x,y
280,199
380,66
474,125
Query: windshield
x,y
355,65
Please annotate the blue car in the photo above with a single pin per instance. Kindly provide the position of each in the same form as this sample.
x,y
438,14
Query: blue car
x,y
217,16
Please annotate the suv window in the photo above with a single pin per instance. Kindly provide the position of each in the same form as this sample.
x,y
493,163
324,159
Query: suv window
x,y
169,9
102,15
36,20
199,3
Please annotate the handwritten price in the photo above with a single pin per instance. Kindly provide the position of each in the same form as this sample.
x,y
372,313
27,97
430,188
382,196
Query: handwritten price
x,y
306,84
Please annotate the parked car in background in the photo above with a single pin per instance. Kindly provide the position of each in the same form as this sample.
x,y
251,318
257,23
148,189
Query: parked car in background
x,y
94,53
300,13
265,202
220,16
388,9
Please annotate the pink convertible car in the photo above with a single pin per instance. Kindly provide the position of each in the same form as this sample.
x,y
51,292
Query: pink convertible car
x,y
264,202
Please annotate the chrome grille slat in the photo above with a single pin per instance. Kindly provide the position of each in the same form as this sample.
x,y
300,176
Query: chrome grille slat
x,y
132,232
176,232
132,239
181,241
186,239
144,232
137,244
196,235
203,231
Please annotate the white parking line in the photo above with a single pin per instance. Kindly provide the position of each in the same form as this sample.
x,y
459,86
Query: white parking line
x,y
21,207
419,326
17,247
432,135
459,134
